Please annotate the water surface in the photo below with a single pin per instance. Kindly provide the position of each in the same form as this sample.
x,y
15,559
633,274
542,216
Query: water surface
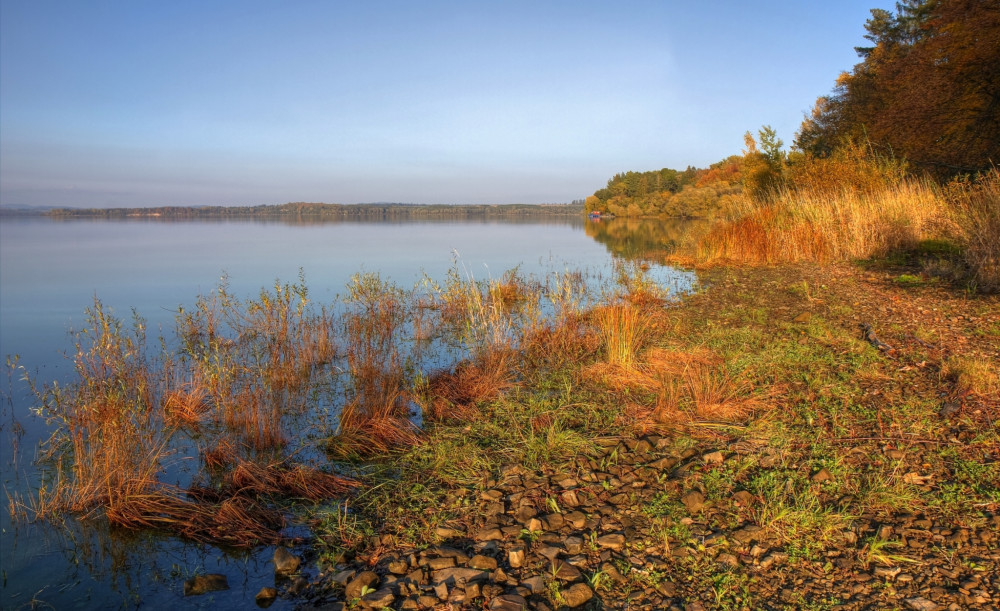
x,y
50,271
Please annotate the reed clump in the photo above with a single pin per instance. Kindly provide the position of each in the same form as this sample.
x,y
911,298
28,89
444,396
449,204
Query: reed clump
x,y
623,329
375,417
976,206
822,226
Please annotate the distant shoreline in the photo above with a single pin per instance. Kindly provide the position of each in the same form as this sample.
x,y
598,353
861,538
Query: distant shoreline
x,y
312,211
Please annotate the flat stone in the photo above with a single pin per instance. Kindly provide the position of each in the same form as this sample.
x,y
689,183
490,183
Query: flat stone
x,y
823,475
366,579
613,541
567,572
483,563
201,584
448,533
489,534
535,585
378,599
570,498
693,500
803,317
265,597
576,519
573,545
516,557
285,562
509,602
577,595
922,604
440,563
399,567
343,577
460,575
713,458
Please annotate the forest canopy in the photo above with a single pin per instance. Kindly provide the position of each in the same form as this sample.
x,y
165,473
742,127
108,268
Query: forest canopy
x,y
924,100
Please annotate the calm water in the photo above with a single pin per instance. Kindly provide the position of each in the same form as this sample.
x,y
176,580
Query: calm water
x,y
51,270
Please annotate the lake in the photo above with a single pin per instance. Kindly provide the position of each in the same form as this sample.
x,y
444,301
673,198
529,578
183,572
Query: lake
x,y
50,271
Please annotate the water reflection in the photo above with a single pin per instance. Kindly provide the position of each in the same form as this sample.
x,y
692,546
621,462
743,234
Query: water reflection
x,y
51,270
641,239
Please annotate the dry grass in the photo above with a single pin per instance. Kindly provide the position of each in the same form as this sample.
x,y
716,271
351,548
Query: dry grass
x,y
977,209
972,376
822,226
375,416
623,329
454,394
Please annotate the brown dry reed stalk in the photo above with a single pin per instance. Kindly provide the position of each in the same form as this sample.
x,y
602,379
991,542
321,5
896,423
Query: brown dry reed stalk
x,y
623,329
976,206
375,416
256,358
109,424
799,225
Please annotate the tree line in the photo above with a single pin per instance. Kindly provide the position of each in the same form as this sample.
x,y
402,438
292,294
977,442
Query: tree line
x,y
923,100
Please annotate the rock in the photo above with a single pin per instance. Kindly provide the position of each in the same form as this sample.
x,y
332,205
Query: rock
x,y
578,594
516,557
727,560
379,599
285,562
460,575
573,545
922,604
298,586
483,563
265,597
440,563
549,552
427,601
448,533
399,567
614,542
566,572
823,475
576,519
803,318
570,498
743,498
489,534
694,501
535,585
367,579
343,577
509,602
713,458
200,584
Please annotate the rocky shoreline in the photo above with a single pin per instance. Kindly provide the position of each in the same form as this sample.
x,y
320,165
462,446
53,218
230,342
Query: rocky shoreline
x,y
584,537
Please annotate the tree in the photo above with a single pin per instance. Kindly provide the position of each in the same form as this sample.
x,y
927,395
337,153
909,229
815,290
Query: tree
x,y
928,88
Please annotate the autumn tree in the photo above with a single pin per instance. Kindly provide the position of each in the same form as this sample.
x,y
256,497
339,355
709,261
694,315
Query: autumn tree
x,y
927,89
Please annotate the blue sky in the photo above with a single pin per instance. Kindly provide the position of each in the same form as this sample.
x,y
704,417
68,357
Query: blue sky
x,y
137,103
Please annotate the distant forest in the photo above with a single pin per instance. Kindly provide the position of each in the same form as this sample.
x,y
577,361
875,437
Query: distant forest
x,y
316,212
923,101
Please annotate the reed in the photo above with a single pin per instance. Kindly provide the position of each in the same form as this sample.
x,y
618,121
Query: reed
x,y
111,439
375,416
976,207
822,226
623,329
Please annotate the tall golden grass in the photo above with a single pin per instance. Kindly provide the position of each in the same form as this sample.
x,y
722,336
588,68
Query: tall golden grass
x,y
801,225
976,207
623,329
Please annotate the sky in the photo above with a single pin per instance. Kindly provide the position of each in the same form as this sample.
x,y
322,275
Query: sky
x,y
248,102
